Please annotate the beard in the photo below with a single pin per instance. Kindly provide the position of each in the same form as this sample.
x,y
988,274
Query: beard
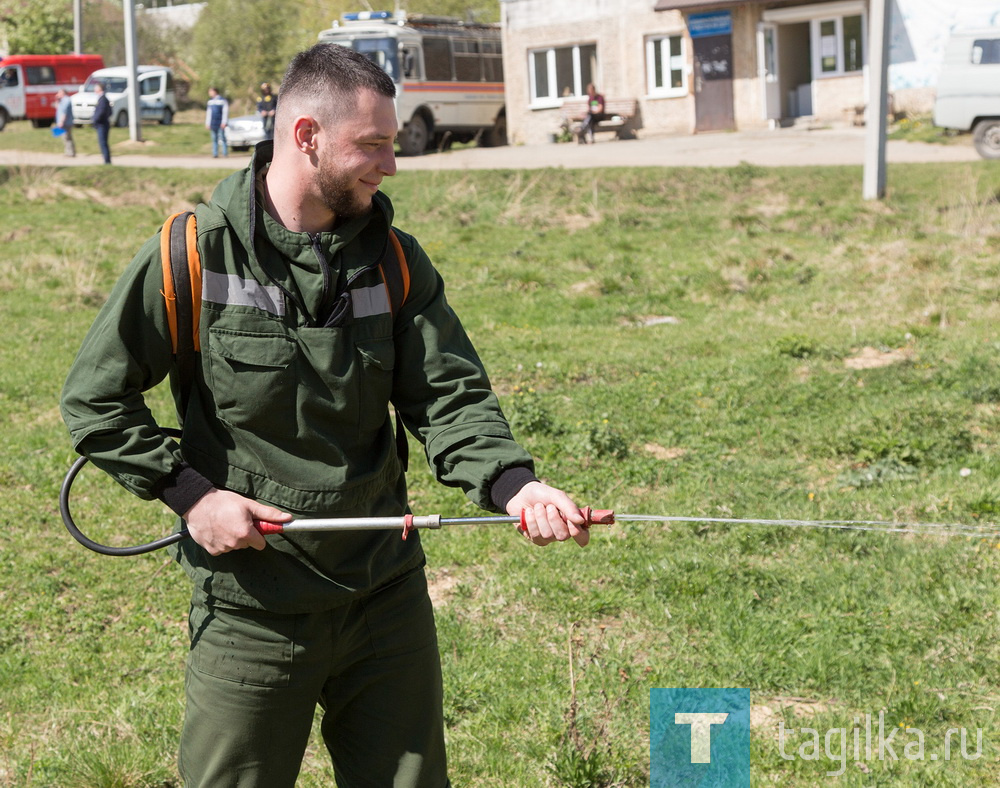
x,y
336,190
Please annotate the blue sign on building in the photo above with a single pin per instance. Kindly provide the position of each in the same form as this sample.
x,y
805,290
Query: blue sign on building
x,y
712,23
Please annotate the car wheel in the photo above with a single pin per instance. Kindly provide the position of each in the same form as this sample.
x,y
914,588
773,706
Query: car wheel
x,y
3,118
122,120
986,138
168,117
414,138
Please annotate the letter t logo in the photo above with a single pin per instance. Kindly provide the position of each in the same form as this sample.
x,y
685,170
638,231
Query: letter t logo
x,y
701,732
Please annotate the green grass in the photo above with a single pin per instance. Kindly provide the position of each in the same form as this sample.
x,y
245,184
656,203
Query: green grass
x,y
753,400
921,128
187,136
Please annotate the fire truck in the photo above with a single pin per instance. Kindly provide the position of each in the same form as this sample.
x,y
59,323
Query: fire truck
x,y
29,83
448,75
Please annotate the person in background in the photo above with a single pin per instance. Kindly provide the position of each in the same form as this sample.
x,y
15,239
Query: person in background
x,y
64,121
288,416
595,114
267,103
101,121
216,120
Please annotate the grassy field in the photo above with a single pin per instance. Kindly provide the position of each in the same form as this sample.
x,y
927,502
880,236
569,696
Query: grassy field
x,y
736,342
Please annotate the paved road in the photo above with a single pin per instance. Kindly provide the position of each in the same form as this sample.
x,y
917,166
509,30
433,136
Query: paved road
x,y
781,147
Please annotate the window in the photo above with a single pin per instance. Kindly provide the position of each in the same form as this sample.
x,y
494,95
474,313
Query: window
x,y
666,67
437,59
986,51
40,75
468,63
561,72
492,60
838,45
149,86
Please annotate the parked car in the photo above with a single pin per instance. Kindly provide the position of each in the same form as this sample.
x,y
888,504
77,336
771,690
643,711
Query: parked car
x,y
157,98
244,132
968,90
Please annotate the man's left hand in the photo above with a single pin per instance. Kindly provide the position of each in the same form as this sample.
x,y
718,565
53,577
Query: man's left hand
x,y
549,514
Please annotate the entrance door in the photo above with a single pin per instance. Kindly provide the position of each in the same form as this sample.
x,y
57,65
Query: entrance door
x,y
767,69
711,35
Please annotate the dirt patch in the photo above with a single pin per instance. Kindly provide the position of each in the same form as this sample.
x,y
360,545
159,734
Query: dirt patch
x,y
872,358
664,452
769,714
441,584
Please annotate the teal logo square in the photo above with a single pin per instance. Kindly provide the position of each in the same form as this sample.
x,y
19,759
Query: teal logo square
x,y
699,738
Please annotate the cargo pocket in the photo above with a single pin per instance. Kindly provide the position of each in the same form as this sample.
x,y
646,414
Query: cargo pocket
x,y
243,646
251,379
378,357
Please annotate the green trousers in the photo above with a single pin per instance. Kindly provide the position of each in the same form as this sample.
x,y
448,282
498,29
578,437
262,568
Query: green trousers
x,y
254,678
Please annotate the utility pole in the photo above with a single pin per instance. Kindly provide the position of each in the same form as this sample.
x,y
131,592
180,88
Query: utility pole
x,y
878,103
78,27
134,125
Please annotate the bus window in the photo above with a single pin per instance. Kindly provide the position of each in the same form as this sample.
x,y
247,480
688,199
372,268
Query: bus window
x,y
492,61
468,66
8,78
382,52
437,59
411,62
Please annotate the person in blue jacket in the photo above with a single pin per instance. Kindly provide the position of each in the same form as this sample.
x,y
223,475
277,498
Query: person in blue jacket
x,y
216,120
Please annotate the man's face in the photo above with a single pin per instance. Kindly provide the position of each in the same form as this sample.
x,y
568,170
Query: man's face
x,y
357,153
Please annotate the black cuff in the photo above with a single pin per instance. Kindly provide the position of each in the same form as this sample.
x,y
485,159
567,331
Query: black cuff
x,y
182,488
508,484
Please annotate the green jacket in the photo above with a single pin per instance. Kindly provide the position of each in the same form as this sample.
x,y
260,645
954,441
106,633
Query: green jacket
x,y
300,359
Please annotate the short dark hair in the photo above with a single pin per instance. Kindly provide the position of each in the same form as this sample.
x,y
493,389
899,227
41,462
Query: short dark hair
x,y
336,71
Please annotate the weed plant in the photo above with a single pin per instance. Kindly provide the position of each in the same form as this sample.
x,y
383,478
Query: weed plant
x,y
740,342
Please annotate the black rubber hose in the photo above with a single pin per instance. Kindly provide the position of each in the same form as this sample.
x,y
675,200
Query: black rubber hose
x,y
86,541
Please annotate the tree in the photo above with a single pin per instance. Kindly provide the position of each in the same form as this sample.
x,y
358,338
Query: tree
x,y
37,27
238,44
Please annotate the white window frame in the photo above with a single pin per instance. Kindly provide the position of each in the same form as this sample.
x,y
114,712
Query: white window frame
x,y
536,101
816,43
661,42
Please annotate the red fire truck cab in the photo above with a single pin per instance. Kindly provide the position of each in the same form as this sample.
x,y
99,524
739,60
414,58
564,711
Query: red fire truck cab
x,y
29,83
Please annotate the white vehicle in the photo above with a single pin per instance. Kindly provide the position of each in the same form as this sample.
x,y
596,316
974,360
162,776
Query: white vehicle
x,y
448,75
157,98
968,90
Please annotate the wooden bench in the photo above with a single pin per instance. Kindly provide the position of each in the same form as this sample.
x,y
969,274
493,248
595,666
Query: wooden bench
x,y
617,114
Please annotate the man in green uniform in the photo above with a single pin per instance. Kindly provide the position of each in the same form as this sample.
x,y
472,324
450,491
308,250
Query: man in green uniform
x,y
300,357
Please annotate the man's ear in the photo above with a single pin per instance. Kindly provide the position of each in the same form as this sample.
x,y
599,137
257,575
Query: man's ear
x,y
304,132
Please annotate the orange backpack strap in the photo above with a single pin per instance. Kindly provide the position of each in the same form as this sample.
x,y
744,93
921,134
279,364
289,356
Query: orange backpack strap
x,y
395,273
182,293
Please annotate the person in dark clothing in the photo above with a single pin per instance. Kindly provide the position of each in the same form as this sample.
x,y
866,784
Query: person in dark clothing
x,y
267,104
288,416
595,114
101,121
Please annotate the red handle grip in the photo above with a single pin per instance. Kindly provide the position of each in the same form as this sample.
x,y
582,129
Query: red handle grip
x,y
590,517
268,528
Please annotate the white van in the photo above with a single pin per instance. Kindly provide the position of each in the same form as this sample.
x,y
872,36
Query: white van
x,y
157,98
968,90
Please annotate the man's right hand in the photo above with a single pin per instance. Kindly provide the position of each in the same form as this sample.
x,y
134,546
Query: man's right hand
x,y
222,521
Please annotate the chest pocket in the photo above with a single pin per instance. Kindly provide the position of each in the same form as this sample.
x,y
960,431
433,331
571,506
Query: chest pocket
x,y
251,373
